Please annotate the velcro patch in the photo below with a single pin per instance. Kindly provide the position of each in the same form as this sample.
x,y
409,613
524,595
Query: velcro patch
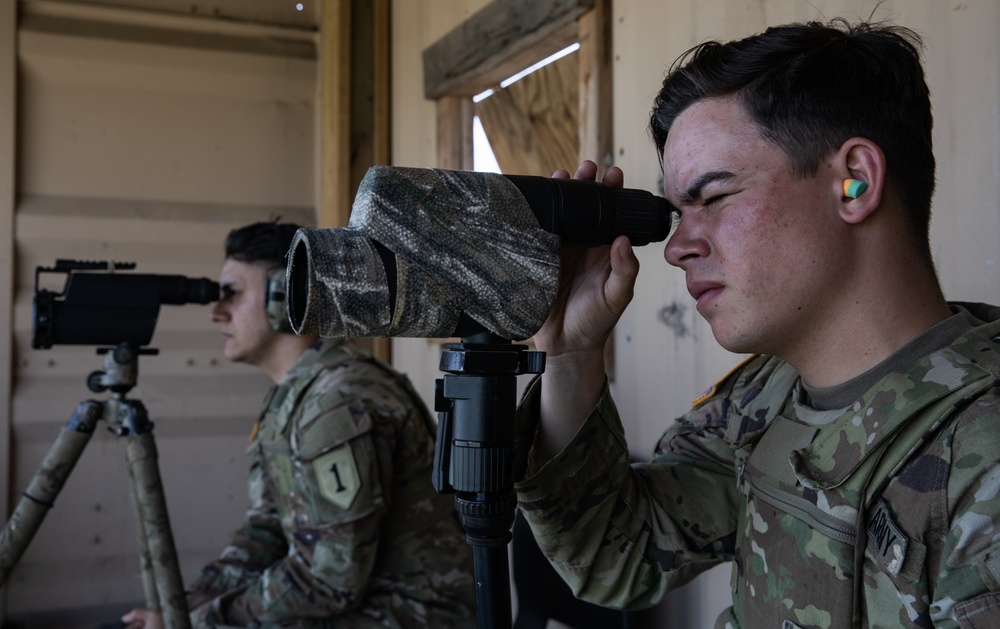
x,y
890,542
337,475
715,387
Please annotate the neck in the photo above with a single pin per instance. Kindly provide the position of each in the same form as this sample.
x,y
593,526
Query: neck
x,y
885,303
285,352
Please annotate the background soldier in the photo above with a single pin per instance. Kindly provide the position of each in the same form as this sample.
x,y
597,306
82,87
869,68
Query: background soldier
x,y
344,528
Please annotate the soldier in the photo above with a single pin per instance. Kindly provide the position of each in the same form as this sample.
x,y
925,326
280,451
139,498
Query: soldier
x,y
344,527
848,469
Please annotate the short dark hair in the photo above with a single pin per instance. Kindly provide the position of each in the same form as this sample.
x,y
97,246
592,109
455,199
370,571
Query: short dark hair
x,y
811,86
267,243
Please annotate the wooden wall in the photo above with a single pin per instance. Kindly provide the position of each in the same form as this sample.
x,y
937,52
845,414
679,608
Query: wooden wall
x,y
145,135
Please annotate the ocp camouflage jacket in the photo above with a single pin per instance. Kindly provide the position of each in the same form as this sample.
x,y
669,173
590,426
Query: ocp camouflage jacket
x,y
884,516
344,528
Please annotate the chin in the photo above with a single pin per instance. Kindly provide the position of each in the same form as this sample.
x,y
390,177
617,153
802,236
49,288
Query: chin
x,y
233,357
736,341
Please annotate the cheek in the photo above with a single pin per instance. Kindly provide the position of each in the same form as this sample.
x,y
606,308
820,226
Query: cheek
x,y
761,249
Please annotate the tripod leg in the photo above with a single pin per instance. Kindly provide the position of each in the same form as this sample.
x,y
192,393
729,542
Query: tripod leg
x,y
151,508
145,559
46,484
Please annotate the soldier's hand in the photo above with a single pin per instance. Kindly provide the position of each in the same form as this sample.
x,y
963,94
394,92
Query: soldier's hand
x,y
143,619
595,286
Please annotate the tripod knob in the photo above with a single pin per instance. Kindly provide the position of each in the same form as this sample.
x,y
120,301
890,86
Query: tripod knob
x,y
95,382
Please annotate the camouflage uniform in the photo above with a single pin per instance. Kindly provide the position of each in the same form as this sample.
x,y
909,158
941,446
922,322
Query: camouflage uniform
x,y
344,527
880,514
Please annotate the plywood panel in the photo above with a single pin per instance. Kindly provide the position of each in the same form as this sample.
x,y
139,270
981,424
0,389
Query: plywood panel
x,y
533,124
500,40
131,121
150,153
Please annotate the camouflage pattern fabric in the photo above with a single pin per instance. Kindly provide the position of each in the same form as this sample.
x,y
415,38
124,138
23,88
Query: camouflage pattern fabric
x,y
885,516
463,242
344,529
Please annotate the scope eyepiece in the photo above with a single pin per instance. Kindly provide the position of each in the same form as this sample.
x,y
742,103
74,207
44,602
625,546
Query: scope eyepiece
x,y
599,213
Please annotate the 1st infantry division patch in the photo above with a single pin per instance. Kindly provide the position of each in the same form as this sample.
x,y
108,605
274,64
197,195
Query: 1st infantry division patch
x,y
338,477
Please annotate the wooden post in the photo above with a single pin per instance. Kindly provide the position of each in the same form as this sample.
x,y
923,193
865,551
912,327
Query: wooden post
x,y
335,114
596,98
8,117
454,132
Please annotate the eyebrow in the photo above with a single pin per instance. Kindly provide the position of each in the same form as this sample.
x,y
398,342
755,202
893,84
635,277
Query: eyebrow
x,y
694,190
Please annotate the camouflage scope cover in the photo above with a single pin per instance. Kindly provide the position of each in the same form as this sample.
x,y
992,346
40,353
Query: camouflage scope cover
x,y
464,242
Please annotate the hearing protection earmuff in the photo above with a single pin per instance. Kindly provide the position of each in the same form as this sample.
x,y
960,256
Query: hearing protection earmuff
x,y
274,300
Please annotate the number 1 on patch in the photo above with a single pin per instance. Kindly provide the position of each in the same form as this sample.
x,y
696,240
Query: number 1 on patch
x,y
337,474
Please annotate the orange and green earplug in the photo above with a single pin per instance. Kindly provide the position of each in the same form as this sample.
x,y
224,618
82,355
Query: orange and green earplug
x,y
853,188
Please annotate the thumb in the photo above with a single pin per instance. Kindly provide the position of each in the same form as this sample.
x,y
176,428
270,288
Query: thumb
x,y
131,616
624,271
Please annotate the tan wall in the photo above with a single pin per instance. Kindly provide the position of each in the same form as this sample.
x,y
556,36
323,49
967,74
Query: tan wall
x,y
665,353
145,136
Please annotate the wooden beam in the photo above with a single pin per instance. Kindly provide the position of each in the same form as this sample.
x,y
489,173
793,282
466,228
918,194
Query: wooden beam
x,y
382,137
596,109
8,121
454,132
596,97
500,40
382,118
335,192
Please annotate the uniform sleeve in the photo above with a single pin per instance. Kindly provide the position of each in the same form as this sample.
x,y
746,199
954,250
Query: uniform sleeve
x,y
335,500
966,592
621,534
257,544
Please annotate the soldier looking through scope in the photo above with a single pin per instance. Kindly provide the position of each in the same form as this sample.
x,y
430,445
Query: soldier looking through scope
x,y
344,526
848,469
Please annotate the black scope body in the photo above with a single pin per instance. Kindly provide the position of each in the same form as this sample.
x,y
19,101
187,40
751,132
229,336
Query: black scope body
x,y
598,214
109,308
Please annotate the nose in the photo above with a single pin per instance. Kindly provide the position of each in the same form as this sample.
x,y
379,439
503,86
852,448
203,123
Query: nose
x,y
684,245
219,313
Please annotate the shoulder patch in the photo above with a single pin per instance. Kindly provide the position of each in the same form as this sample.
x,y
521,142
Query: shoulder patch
x,y
715,387
337,475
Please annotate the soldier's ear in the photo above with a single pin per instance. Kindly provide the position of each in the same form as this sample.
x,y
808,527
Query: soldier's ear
x,y
858,160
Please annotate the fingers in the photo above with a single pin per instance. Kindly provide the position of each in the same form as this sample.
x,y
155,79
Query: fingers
x,y
624,271
614,177
586,170
133,619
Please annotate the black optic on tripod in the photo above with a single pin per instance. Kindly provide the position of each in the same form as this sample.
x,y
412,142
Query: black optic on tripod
x,y
108,308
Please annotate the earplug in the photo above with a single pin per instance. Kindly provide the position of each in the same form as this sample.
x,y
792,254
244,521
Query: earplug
x,y
853,188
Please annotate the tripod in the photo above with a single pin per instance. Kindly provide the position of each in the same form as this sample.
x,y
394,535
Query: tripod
x,y
474,456
127,418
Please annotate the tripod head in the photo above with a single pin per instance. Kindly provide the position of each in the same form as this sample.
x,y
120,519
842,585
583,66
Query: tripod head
x,y
121,369
474,456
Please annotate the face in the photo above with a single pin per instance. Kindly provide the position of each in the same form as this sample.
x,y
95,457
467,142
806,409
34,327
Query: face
x,y
759,248
247,336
